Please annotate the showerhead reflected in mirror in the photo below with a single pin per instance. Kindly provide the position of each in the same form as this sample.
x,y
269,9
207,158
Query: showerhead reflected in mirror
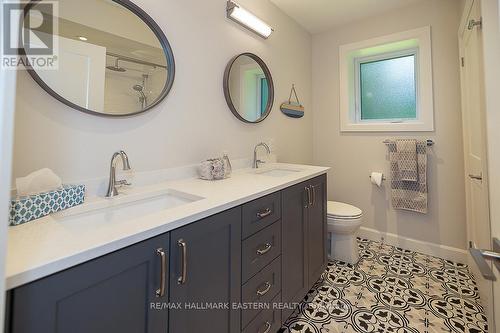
x,y
112,58
248,88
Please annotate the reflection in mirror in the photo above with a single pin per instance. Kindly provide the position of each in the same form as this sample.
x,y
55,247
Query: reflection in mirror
x,y
112,58
248,88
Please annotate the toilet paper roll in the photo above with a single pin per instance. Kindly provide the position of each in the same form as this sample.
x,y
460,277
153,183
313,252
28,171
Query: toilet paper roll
x,y
376,178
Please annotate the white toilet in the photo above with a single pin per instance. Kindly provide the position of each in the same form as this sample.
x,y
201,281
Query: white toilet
x,y
344,221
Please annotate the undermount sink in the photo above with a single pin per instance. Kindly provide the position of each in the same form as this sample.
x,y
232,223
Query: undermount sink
x,y
127,207
277,172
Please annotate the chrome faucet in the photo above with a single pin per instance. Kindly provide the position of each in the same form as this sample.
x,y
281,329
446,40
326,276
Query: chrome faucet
x,y
113,183
255,160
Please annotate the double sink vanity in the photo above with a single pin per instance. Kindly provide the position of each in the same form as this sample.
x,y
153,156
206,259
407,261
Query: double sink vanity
x,y
179,254
185,255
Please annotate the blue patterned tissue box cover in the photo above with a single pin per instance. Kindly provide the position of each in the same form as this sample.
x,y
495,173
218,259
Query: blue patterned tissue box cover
x,y
25,209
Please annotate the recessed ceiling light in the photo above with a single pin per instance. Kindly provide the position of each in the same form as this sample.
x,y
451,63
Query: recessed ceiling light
x,y
83,38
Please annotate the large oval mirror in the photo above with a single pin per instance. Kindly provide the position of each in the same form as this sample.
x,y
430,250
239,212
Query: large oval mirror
x,y
248,88
110,57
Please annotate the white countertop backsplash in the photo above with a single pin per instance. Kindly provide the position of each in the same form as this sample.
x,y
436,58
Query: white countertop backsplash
x,y
54,243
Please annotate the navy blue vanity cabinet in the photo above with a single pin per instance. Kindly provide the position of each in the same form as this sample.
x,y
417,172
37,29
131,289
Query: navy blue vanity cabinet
x,y
192,279
294,285
114,293
317,229
304,224
205,275
261,264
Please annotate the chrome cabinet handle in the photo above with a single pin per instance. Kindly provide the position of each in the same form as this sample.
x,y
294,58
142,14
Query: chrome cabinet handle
x,y
163,274
308,198
265,290
313,190
476,177
182,244
268,327
266,249
265,213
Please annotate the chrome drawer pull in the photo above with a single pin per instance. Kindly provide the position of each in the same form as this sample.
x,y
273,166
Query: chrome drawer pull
x,y
309,199
163,274
268,327
266,249
182,279
313,190
265,213
307,195
266,289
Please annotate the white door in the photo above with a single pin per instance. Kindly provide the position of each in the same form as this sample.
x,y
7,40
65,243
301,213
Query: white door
x,y
475,147
80,75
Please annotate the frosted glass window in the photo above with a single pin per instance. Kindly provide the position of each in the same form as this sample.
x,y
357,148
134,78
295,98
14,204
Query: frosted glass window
x,y
388,89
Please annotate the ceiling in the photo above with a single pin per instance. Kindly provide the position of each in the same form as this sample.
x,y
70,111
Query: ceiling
x,y
320,15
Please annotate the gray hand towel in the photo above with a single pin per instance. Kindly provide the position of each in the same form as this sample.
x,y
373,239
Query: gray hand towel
x,y
409,195
407,159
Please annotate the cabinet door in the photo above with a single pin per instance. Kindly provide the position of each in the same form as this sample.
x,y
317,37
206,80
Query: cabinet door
x,y
205,271
294,245
317,229
113,293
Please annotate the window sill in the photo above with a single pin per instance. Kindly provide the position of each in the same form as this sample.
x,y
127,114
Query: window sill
x,y
387,127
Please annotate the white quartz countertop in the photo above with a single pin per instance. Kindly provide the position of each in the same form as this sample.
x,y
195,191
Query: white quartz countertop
x,y
56,242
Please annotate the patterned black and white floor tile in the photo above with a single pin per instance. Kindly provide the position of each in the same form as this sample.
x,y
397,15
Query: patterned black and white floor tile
x,y
391,290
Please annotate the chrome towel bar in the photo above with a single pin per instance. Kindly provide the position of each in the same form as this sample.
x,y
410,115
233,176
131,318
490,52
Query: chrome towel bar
x,y
430,143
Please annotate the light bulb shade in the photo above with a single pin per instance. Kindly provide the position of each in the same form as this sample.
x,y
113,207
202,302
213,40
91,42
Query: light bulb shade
x,y
243,17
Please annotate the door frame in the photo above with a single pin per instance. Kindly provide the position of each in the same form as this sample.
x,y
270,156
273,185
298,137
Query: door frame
x,y
7,107
490,11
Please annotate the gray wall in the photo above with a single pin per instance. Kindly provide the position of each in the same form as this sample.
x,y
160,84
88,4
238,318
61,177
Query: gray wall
x,y
353,156
194,122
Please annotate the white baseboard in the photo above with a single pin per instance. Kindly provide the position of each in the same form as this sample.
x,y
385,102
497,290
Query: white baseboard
x,y
436,250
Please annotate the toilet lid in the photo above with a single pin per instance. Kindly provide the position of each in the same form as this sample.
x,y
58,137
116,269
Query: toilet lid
x,y
343,210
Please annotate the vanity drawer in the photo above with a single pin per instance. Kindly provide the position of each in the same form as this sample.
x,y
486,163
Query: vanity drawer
x,y
268,321
260,249
262,288
260,213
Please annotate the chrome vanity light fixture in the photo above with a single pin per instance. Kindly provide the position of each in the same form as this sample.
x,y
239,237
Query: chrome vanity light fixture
x,y
248,20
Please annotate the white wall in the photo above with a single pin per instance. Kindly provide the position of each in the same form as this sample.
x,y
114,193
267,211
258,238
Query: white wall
x,y
353,156
193,122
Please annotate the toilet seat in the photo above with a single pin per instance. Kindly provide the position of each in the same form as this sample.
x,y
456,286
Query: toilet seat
x,y
342,211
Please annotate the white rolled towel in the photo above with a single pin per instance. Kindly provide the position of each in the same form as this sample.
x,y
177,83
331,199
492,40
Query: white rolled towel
x,y
44,180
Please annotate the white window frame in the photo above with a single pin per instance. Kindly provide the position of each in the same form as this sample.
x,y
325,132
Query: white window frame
x,y
413,42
